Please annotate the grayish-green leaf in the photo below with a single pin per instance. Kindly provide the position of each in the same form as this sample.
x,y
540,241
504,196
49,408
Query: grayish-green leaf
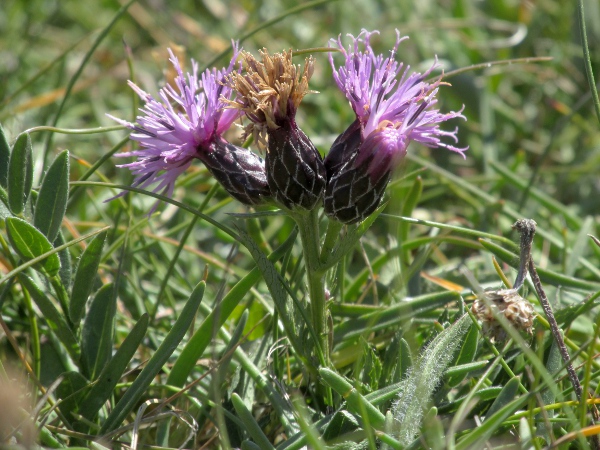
x,y
52,199
65,261
20,174
424,377
29,243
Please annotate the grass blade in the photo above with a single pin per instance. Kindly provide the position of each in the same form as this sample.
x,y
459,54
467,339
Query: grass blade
x,y
154,366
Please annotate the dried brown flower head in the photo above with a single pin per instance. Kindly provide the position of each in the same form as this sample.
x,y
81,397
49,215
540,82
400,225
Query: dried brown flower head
x,y
269,91
518,311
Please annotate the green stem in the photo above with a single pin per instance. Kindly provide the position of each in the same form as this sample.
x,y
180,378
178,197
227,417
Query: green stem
x,y
331,237
308,226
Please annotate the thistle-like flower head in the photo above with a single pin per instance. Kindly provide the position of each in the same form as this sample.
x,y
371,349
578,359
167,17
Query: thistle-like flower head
x,y
393,107
269,92
184,123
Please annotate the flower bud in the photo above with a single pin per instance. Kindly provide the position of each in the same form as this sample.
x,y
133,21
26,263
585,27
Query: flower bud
x,y
240,171
295,170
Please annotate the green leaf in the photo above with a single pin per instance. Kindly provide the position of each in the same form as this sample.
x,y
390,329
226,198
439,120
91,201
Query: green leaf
x,y
371,367
425,376
482,433
466,355
20,174
85,276
113,371
342,422
4,158
70,391
154,366
348,241
29,244
4,211
508,393
393,315
56,320
546,276
52,199
65,261
97,332
357,403
286,307
194,349
250,423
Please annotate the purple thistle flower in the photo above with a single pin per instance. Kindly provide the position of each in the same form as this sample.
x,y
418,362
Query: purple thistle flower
x,y
187,123
393,107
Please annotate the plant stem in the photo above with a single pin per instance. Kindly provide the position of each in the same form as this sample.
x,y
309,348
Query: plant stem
x,y
308,226
526,227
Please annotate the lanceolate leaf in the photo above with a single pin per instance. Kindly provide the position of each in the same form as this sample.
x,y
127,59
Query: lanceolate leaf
x,y
97,332
84,277
113,371
51,203
53,317
20,174
29,243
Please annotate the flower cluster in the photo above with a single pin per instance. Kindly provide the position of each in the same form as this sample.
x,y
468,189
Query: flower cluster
x,y
392,105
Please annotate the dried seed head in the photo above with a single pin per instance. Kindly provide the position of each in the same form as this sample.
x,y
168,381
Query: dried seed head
x,y
518,311
270,90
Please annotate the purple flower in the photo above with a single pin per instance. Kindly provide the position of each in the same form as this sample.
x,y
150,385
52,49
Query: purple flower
x,y
186,123
393,107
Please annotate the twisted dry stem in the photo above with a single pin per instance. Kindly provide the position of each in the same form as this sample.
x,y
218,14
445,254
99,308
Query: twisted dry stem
x,y
526,228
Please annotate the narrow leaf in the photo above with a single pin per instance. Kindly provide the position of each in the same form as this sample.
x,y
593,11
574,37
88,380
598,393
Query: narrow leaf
x,y
29,243
392,315
348,241
97,332
20,174
4,211
52,199
479,435
4,158
547,276
507,395
250,423
113,371
154,366
65,261
194,349
357,403
70,391
465,355
84,277
56,321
